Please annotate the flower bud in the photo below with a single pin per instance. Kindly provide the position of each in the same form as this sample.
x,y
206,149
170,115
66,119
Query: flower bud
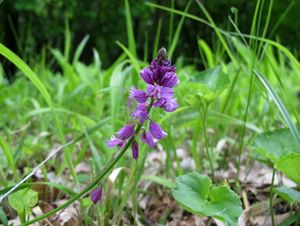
x,y
135,149
96,195
156,130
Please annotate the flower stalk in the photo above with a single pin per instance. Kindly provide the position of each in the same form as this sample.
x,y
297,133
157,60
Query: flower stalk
x,y
160,78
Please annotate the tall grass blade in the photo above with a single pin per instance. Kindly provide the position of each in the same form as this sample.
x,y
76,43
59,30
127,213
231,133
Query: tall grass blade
x,y
130,33
280,105
79,49
177,32
53,153
8,155
27,71
157,38
208,53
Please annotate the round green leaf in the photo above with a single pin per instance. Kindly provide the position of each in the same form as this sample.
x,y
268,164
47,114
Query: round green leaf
x,y
22,201
196,194
280,147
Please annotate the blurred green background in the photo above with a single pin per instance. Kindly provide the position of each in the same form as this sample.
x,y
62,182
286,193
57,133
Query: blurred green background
x,y
28,25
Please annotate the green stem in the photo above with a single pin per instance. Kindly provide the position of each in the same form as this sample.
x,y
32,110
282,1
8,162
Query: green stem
x,y
206,144
96,181
88,188
271,197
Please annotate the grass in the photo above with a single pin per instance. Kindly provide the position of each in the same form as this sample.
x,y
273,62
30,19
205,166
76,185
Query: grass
x,y
81,105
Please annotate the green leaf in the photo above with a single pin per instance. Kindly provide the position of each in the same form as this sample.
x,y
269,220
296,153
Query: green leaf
x,y
22,201
159,180
276,144
3,218
117,81
289,194
281,149
290,167
196,194
206,86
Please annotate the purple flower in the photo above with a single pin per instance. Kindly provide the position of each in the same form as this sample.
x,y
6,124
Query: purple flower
x,y
135,149
157,92
160,77
139,95
156,130
159,102
115,142
140,112
96,195
147,75
169,80
147,138
126,132
170,105
160,66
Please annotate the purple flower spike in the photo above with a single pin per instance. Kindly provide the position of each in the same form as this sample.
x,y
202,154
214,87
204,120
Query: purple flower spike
x,y
147,138
160,78
139,95
169,80
156,130
96,195
147,75
115,142
135,149
126,132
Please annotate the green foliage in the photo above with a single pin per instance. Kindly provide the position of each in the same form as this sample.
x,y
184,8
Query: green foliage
x,y
205,86
281,149
196,194
90,101
289,194
3,218
22,201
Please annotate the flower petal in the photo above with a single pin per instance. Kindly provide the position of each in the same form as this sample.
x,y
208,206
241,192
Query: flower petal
x,y
140,112
126,132
170,105
139,95
147,139
96,195
167,93
147,75
135,149
156,131
115,142
169,80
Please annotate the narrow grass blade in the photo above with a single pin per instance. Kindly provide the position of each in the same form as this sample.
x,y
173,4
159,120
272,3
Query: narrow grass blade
x,y
130,33
8,155
79,49
280,105
157,38
81,136
177,32
208,53
27,71
132,58
50,184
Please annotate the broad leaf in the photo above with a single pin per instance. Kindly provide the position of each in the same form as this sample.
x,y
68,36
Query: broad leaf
x,y
289,194
23,201
206,86
196,194
276,144
290,166
281,149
